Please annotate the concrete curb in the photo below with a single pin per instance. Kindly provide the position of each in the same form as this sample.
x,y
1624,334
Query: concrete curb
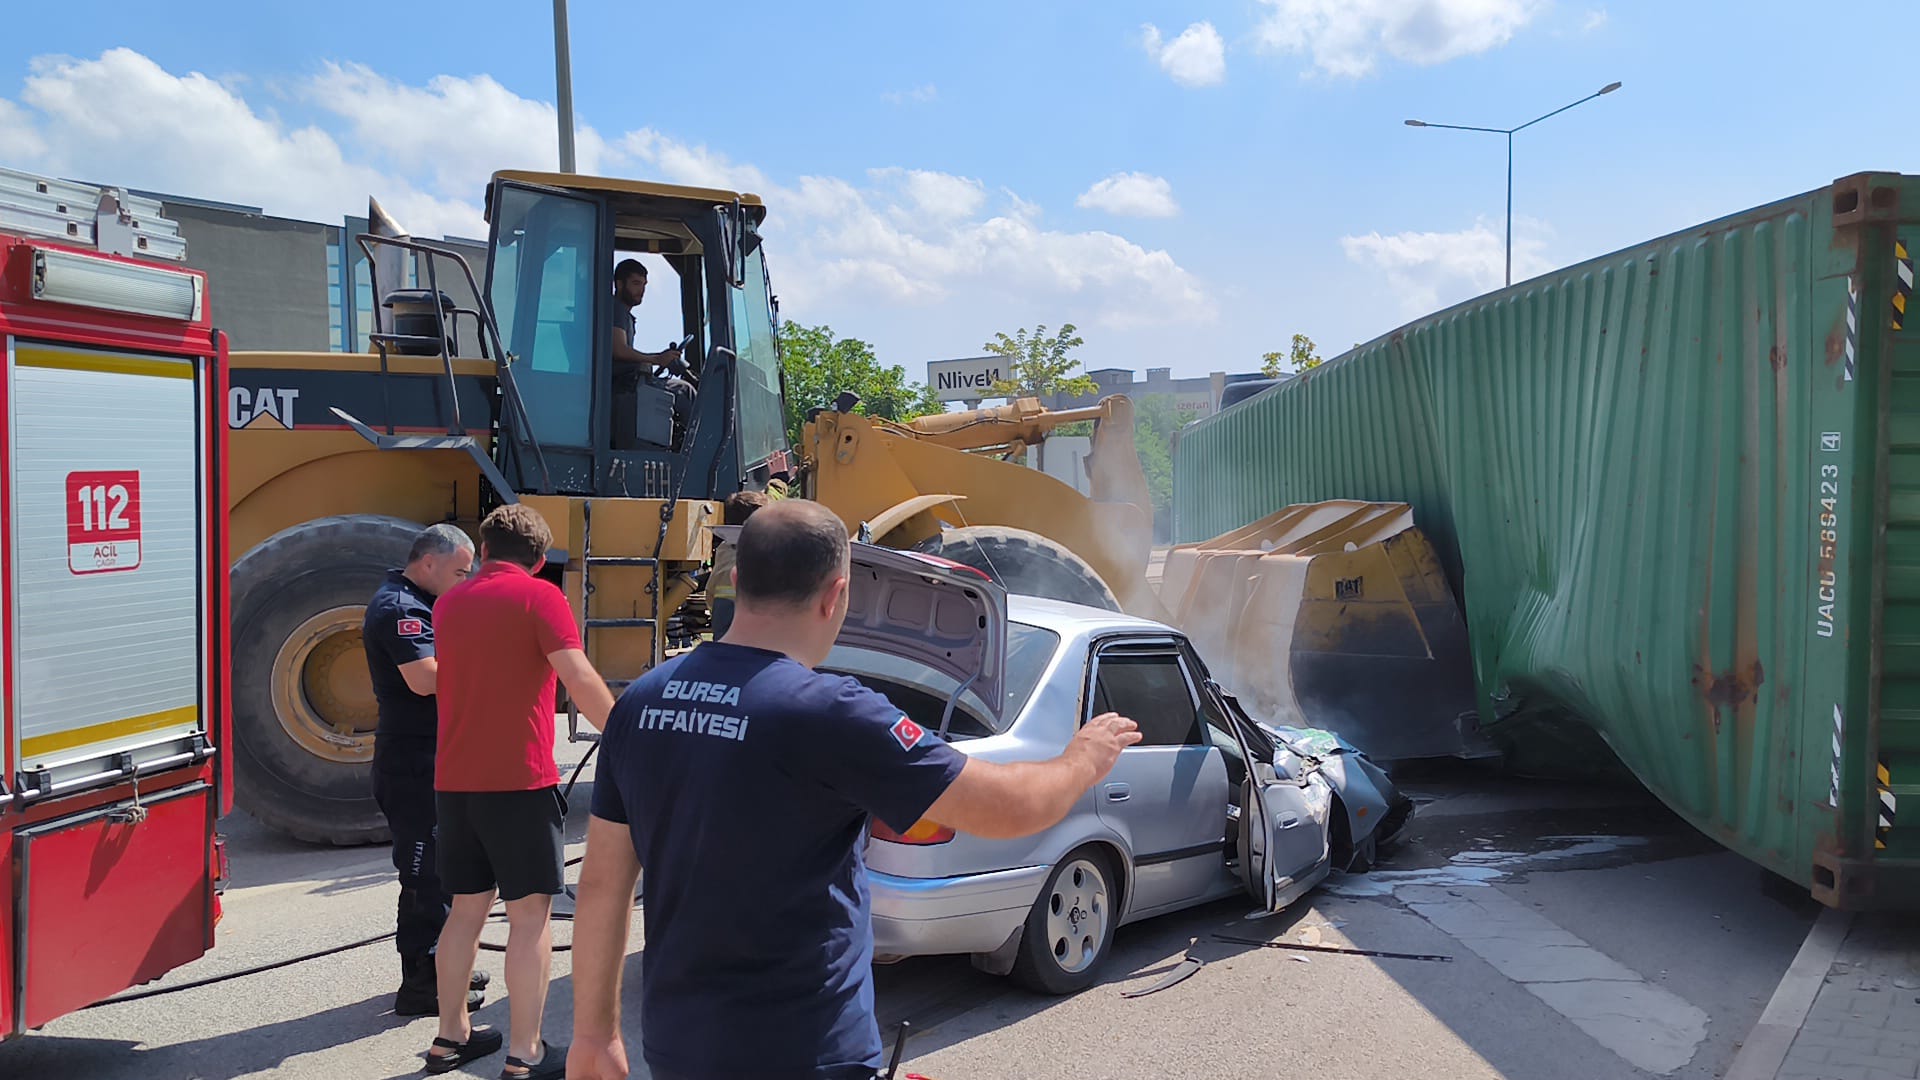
x,y
1767,1044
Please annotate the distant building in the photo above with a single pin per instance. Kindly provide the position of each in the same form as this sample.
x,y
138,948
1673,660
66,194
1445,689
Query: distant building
x,y
1064,457
285,285
1193,398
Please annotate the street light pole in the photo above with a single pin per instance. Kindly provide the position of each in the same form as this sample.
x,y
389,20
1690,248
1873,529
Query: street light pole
x,y
1509,133
563,80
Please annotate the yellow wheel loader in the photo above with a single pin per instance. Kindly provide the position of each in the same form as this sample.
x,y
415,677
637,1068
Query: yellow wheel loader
x,y
339,459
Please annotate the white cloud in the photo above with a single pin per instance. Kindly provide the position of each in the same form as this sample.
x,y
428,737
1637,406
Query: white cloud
x,y
1347,37
864,245
912,246
123,119
1594,20
1131,194
938,195
1430,270
18,135
1196,58
919,95
680,163
462,129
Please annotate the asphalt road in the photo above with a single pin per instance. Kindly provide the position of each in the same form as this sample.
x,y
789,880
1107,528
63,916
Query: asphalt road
x,y
1588,935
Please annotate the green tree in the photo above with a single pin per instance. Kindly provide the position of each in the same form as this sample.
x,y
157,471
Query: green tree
x,y
819,366
1154,426
1302,354
1040,364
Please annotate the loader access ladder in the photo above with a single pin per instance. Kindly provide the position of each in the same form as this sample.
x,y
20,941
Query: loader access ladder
x,y
590,622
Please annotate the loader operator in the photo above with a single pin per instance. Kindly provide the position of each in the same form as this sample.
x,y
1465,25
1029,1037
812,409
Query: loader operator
x,y
629,288
397,634
631,365
728,991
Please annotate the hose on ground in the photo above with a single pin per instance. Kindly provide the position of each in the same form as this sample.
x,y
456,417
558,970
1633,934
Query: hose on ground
x,y
260,969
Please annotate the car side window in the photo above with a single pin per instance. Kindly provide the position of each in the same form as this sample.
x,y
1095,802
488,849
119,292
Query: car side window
x,y
1151,688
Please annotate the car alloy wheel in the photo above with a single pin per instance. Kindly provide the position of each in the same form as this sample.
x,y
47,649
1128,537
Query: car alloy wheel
x,y
1077,913
1071,925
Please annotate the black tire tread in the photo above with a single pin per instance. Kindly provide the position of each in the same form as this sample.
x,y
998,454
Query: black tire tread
x,y
1026,967
270,563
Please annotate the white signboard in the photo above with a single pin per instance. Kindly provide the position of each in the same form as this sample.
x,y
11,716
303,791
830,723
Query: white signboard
x,y
966,380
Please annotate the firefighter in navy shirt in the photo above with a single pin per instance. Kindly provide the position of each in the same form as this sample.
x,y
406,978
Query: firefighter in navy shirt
x,y
398,636
758,960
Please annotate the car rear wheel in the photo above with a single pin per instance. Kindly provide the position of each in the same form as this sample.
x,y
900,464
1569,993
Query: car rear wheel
x,y
1070,929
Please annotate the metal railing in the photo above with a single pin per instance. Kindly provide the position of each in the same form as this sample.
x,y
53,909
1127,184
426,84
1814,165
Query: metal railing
x,y
487,335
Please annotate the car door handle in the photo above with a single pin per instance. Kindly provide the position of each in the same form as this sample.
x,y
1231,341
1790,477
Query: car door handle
x,y
1289,821
1118,793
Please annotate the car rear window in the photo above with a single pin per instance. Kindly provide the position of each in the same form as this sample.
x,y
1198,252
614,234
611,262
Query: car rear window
x,y
1029,650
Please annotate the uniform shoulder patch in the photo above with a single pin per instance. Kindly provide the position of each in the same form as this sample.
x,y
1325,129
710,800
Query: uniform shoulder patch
x,y
906,733
410,628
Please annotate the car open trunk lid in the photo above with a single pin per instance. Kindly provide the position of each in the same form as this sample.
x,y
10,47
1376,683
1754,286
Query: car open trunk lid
x,y
928,611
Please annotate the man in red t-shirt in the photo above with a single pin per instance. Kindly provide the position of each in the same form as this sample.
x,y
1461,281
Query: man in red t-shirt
x,y
501,638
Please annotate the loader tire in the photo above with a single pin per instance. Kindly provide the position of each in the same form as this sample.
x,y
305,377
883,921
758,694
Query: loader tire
x,y
303,709
1023,562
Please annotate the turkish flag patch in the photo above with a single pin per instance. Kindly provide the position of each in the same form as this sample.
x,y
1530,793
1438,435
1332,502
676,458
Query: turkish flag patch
x,y
907,733
410,628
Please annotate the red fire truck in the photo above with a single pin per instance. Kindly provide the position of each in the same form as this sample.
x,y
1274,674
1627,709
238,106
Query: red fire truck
x,y
113,599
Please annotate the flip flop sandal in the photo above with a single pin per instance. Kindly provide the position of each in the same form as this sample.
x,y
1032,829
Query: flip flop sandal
x,y
551,1066
481,1042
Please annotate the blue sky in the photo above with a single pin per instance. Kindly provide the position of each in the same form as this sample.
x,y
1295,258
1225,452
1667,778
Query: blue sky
x,y
1189,195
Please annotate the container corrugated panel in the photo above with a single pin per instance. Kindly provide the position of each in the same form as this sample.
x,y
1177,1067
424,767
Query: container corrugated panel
x,y
1678,490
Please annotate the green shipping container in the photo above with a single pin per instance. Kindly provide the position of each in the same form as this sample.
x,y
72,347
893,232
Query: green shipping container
x,y
1678,491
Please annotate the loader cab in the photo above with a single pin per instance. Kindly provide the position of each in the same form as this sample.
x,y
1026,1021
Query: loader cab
x,y
566,424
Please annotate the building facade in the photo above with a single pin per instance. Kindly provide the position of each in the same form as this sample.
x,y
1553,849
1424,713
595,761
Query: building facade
x,y
1193,398
286,285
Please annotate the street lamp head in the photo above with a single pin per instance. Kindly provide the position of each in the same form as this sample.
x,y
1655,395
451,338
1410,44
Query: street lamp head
x,y
1416,123
1610,88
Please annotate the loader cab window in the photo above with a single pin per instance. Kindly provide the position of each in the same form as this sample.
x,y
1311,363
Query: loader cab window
x,y
543,285
762,424
650,405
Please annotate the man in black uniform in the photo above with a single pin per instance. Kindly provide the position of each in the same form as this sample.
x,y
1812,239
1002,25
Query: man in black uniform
x,y
726,990
398,636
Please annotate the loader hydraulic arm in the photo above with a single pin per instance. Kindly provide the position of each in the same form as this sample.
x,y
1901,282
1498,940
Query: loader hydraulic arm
x,y
1020,421
1113,461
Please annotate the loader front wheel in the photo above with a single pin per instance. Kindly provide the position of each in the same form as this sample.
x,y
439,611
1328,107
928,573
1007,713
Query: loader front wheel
x,y
303,706
1023,562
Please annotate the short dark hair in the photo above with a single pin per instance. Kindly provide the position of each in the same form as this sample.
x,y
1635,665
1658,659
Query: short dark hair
x,y
626,269
516,534
788,553
441,539
740,506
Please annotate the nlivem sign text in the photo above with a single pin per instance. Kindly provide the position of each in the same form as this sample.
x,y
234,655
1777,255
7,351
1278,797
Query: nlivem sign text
x,y
965,380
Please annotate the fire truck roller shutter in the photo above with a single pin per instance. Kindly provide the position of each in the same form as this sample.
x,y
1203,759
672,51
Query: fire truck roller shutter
x,y
303,706
107,580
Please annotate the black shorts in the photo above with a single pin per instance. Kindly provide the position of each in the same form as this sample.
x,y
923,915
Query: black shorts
x,y
505,840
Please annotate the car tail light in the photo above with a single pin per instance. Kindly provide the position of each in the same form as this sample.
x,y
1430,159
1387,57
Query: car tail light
x,y
949,564
922,832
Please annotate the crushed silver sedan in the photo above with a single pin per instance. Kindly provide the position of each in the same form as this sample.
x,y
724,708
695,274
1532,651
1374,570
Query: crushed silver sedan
x,y
1181,820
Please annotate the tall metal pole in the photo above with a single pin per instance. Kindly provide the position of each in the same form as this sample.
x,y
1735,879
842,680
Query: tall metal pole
x,y
563,78
1509,207
1509,133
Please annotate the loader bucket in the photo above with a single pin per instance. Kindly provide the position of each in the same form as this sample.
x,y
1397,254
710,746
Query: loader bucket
x,y
1334,615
